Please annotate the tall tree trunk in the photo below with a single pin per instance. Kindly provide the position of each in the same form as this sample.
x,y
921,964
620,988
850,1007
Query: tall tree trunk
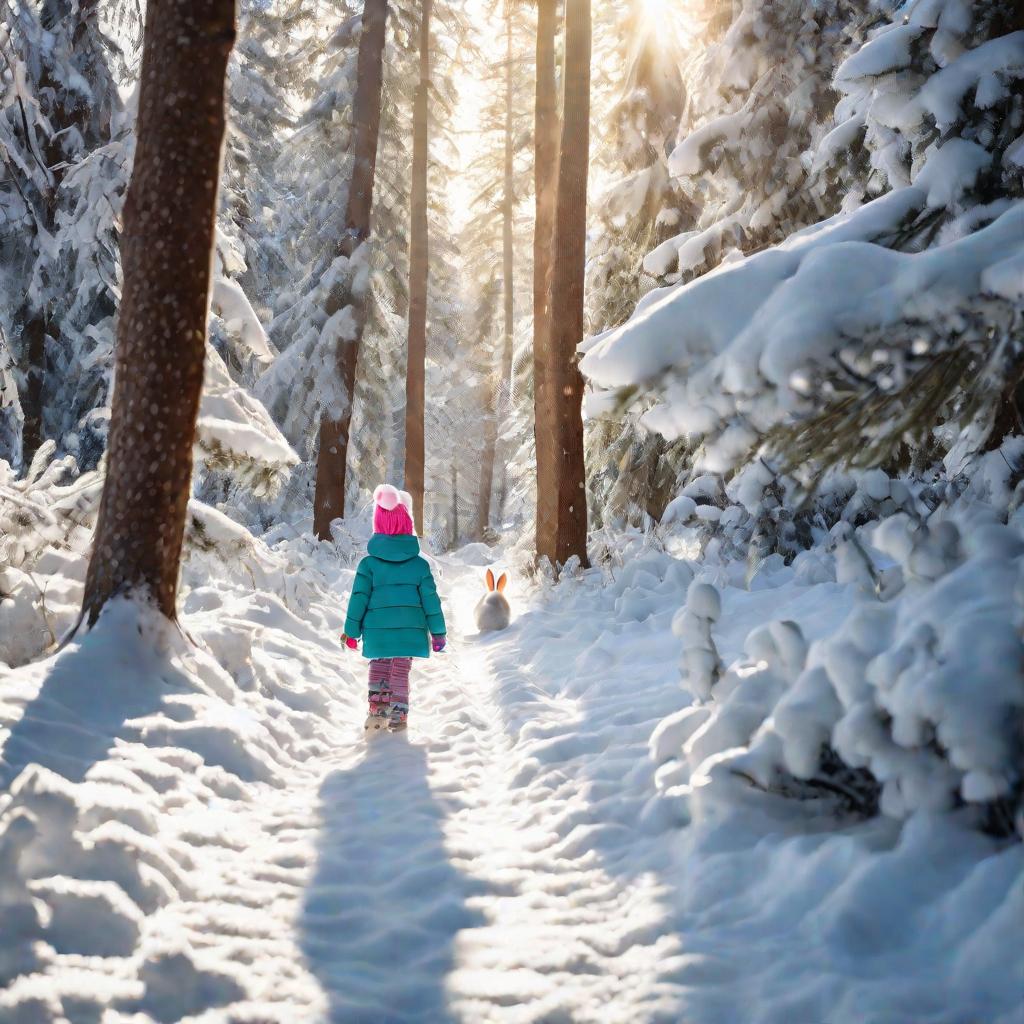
x,y
34,337
161,337
545,184
332,459
507,225
487,455
564,381
503,485
498,395
415,374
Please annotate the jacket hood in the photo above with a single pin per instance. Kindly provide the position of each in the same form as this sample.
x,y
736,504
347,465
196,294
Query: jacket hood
x,y
398,548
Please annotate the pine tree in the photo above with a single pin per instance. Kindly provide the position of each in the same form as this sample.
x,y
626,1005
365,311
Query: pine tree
x,y
65,164
419,256
630,472
904,127
758,99
332,462
267,69
934,103
500,175
316,199
168,238
642,206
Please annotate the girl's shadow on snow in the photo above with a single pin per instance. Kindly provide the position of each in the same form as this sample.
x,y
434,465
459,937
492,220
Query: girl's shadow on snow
x,y
381,914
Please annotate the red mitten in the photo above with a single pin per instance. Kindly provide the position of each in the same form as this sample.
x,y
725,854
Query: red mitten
x,y
350,642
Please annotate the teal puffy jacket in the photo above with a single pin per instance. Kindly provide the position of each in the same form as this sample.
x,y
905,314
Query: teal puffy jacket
x,y
394,605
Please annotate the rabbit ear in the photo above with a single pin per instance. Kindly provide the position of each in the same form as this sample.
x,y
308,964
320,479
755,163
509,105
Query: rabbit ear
x,y
490,579
502,582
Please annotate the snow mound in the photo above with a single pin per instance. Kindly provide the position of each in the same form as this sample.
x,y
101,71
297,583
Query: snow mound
x,y
912,705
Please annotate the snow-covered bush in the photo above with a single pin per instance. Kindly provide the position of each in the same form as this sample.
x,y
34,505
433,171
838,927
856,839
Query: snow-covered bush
x,y
46,521
235,436
693,623
47,518
914,704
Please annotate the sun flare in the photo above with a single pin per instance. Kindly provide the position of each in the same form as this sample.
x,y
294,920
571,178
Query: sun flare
x,y
658,11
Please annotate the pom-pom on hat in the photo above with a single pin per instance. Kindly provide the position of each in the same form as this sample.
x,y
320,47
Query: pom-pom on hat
x,y
393,512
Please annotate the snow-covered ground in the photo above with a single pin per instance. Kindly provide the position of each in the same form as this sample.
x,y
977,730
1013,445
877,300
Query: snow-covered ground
x,y
206,834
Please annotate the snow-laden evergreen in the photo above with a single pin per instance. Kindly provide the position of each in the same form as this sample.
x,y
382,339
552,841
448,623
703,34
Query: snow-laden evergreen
x,y
893,320
632,473
66,151
64,193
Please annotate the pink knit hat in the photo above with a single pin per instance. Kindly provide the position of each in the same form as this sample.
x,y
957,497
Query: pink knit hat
x,y
393,514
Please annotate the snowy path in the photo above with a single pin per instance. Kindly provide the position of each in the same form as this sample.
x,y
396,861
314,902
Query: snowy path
x,y
478,898
281,866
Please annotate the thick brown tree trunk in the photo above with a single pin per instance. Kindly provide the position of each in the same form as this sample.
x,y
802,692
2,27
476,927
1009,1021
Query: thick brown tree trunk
x,y
498,394
564,382
161,337
332,459
545,183
415,374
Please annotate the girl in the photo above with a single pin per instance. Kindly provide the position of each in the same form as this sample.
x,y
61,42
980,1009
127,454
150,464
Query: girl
x,y
394,607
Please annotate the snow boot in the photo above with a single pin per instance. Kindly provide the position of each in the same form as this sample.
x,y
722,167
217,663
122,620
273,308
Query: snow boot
x,y
377,721
398,717
380,707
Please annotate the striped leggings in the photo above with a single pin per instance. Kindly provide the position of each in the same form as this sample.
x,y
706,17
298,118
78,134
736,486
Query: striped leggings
x,y
389,686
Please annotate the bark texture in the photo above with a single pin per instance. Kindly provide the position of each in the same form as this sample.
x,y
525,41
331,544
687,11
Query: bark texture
x,y
487,456
161,337
545,183
34,335
419,255
332,458
564,382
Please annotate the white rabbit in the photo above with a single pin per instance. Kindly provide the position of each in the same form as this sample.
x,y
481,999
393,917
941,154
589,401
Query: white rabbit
x,y
493,612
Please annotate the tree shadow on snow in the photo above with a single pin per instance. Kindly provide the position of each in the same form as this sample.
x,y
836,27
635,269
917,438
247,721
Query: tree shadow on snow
x,y
382,912
90,691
